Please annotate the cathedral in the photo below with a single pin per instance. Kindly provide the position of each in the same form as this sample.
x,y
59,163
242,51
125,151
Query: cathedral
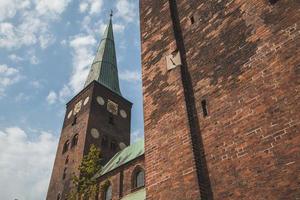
x,y
221,91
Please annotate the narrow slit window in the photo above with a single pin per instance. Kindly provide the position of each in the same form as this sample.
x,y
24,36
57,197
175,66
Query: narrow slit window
x,y
104,141
272,2
192,20
64,174
113,145
111,120
204,108
74,120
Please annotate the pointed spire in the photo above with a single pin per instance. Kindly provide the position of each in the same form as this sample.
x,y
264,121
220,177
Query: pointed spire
x,y
104,68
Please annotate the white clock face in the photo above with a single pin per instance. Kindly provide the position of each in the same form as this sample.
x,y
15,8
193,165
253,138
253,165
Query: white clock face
x,y
123,113
70,114
77,107
95,133
86,101
100,100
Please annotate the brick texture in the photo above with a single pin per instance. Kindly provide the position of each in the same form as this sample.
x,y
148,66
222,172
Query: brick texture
x,y
91,116
115,180
243,58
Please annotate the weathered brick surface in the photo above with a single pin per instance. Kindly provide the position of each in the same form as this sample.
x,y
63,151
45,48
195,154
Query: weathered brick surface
x,y
169,160
114,178
243,58
91,115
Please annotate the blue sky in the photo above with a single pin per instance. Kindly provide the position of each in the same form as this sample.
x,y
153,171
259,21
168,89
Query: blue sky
x,y
46,48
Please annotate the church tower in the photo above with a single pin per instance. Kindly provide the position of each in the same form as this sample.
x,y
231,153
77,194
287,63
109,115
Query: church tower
x,y
98,115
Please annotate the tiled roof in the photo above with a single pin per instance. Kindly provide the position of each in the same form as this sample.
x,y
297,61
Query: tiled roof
x,y
122,157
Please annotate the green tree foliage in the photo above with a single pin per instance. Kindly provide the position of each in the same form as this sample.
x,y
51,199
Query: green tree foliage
x,y
85,187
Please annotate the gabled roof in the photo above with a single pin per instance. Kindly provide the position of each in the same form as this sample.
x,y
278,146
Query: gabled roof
x,y
104,68
122,157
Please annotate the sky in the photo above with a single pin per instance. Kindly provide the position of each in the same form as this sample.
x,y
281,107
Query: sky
x,y
46,49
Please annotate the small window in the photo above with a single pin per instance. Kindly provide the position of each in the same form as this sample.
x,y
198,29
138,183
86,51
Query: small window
x,y
111,120
272,2
138,178
74,120
74,140
104,141
204,108
192,19
66,147
64,174
108,193
113,145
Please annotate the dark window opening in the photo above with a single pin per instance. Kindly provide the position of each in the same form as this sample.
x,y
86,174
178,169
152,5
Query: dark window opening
x,y
113,145
66,147
111,120
108,193
58,196
74,140
67,160
204,108
74,120
192,19
104,141
138,179
64,174
272,2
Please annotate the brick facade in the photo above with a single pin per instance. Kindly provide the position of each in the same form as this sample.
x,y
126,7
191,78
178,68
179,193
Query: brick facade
x,y
121,188
91,115
240,59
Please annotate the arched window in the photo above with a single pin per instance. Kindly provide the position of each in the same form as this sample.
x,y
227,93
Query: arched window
x,y
138,178
108,192
74,140
66,147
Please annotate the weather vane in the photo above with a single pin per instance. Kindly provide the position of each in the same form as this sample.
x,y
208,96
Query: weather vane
x,y
111,13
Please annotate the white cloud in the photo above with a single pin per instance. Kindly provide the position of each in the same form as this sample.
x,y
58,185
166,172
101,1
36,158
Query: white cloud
x,y
82,53
83,7
52,97
8,76
51,8
15,58
130,76
125,10
25,164
64,93
31,25
91,6
137,134
9,8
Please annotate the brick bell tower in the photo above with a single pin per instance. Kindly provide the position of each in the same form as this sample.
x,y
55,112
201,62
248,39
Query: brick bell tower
x,y
97,115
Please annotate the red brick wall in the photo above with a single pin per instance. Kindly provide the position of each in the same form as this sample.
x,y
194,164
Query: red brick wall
x,y
243,59
114,178
170,163
57,184
91,115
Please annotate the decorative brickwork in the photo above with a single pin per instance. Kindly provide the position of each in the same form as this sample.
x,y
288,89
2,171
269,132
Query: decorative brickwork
x,y
242,58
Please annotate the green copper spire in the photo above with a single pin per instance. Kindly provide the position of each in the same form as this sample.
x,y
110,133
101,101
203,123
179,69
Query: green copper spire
x,y
104,68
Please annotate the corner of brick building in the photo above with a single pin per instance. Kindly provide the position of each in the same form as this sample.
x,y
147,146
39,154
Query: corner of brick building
x,y
243,60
